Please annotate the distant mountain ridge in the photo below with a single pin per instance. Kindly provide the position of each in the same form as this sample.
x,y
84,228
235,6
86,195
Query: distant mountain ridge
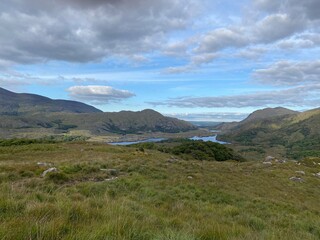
x,y
22,114
17,103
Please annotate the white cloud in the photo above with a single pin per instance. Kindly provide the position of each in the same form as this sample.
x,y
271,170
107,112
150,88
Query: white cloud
x,y
98,94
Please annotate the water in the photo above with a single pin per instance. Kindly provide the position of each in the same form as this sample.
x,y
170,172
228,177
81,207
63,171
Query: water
x,y
141,141
208,139
205,139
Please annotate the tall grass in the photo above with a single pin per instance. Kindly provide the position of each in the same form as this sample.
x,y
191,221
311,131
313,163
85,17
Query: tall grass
x,y
151,198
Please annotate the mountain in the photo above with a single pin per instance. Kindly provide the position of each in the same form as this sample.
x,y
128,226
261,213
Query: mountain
x,y
123,122
19,103
33,115
298,133
255,117
269,113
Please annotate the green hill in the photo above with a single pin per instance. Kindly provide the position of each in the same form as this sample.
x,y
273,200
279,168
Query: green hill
x,y
30,115
20,103
298,133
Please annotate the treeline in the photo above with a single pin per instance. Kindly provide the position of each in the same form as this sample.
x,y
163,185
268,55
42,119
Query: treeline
x,y
48,140
191,149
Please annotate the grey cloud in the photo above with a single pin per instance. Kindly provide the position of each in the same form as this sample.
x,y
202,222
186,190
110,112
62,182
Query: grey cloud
x,y
178,49
273,21
277,26
289,73
98,94
299,96
251,53
81,31
196,60
308,9
300,41
203,58
220,39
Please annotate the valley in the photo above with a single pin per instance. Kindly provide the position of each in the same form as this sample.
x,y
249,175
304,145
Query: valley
x,y
61,177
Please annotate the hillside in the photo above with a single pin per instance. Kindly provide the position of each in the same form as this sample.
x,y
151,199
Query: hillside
x,y
269,113
100,191
30,115
20,103
124,122
298,133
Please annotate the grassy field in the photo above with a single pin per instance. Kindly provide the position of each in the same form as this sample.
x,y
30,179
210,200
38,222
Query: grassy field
x,y
113,192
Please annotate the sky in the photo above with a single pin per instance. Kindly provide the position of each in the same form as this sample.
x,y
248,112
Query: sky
x,y
207,60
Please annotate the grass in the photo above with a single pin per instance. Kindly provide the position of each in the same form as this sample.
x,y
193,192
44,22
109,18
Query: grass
x,y
150,197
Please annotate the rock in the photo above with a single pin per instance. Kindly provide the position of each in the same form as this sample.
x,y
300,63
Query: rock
x,y
281,160
111,179
269,159
190,177
267,163
301,172
296,179
172,160
44,164
317,174
48,171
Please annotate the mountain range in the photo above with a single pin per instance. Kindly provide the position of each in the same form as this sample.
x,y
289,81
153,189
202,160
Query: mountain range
x,y
21,112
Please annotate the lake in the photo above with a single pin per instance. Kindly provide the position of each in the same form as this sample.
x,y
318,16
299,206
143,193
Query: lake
x,y
205,139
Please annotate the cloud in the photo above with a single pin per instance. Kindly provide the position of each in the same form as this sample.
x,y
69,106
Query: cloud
x,y
300,41
221,38
298,96
178,70
210,116
196,61
251,53
277,26
308,9
289,73
98,94
83,31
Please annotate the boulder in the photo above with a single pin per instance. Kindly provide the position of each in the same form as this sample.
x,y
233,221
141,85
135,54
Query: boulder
x,y
281,160
267,163
301,172
269,159
44,164
317,174
296,179
53,169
